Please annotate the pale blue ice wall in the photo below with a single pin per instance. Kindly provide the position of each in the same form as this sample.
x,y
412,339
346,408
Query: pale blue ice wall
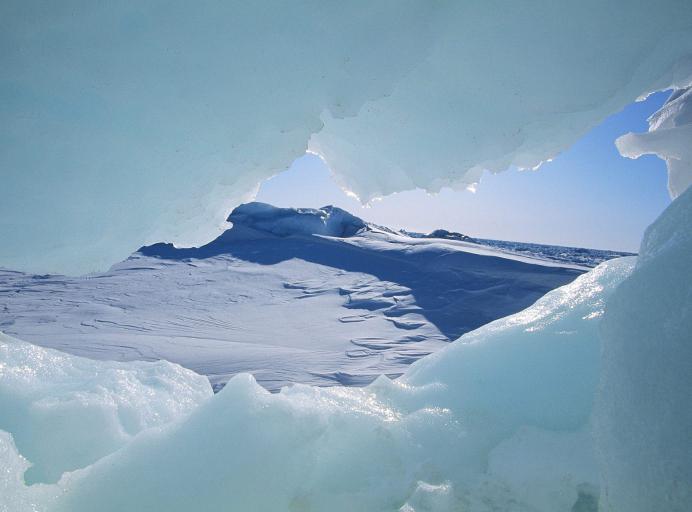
x,y
125,124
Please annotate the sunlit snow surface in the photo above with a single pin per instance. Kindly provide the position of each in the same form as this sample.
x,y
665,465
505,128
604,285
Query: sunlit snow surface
x,y
523,414
448,434
310,296
126,124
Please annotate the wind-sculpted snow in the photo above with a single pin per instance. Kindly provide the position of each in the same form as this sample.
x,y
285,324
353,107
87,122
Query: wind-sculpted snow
x,y
446,436
329,221
502,419
348,308
179,111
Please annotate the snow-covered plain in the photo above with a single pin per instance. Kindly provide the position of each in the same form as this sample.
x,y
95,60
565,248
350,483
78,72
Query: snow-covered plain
x,y
530,413
311,296
578,403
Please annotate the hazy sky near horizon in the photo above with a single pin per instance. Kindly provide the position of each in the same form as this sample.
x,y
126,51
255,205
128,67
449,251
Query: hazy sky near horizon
x,y
588,196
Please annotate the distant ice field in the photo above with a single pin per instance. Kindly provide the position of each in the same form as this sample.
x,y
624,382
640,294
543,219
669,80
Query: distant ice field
x,y
291,296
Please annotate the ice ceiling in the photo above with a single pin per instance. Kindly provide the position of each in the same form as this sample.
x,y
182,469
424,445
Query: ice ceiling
x,y
125,124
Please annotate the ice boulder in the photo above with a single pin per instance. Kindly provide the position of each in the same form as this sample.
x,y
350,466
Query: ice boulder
x,y
645,414
66,412
500,420
328,220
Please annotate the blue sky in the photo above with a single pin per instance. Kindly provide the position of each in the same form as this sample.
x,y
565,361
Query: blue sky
x,y
588,196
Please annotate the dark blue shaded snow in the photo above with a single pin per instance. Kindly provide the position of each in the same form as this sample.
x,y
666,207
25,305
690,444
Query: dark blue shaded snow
x,y
314,296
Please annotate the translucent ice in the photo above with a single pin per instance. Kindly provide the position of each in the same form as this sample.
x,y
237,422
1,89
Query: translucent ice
x,y
474,426
67,412
669,137
125,124
536,412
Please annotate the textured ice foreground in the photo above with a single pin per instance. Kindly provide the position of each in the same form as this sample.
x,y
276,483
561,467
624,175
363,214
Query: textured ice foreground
x,y
449,432
180,111
315,296
67,412
533,412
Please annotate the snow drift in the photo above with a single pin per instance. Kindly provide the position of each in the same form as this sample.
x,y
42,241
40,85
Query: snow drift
x,y
522,414
328,221
669,137
446,436
179,112
349,308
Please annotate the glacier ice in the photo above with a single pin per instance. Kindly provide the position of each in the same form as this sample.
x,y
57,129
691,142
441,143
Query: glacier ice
x,y
578,403
645,414
669,137
179,112
448,434
65,413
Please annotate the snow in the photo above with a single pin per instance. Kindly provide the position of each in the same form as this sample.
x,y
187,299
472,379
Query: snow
x,y
579,402
130,124
330,221
276,297
179,112
645,418
445,436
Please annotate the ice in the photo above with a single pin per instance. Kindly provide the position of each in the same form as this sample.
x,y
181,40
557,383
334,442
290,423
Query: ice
x,y
179,112
129,124
645,418
669,136
65,413
578,403
447,435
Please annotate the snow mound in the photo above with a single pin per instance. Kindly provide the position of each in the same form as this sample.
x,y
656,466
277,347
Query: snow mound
x,y
328,220
533,413
444,437
65,412
179,113
348,308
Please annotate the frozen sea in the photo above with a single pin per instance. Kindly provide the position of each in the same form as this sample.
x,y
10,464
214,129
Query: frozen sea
x,y
311,296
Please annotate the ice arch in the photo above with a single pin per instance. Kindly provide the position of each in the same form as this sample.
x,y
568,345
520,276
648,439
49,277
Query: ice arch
x,y
125,124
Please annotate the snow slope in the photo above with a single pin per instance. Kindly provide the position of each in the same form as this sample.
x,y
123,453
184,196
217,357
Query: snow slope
x,y
310,296
575,404
497,421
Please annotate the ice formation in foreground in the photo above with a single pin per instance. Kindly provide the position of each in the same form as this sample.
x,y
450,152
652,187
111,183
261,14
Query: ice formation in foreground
x,y
179,112
510,417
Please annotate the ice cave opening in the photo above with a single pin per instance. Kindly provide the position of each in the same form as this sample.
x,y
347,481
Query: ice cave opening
x,y
128,124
